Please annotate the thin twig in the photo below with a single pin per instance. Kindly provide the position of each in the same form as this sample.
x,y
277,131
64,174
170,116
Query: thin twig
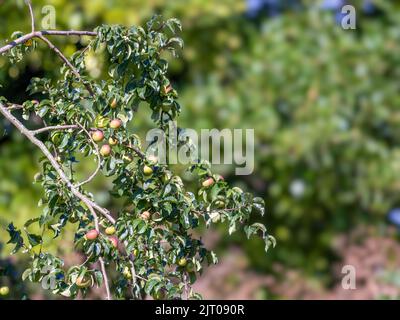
x,y
67,62
96,147
68,33
54,128
137,151
102,264
104,272
86,260
140,277
29,4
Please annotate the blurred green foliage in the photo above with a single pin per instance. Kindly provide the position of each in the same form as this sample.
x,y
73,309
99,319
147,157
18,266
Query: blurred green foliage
x,y
323,102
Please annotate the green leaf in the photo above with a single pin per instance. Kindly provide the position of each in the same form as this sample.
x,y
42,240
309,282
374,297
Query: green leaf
x,y
232,227
259,205
34,239
26,274
15,237
214,192
142,228
254,228
151,284
30,222
269,241
174,25
98,277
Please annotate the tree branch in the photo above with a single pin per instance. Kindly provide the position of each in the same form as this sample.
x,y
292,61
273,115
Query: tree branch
x,y
68,33
37,34
40,36
138,152
61,55
13,106
89,203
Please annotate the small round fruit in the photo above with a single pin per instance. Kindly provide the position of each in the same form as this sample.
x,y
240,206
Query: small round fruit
x,y
56,137
114,241
112,141
83,282
110,230
113,103
182,262
4,291
147,170
127,273
115,124
220,204
98,136
105,150
237,190
102,122
190,267
35,101
92,234
135,252
207,183
145,215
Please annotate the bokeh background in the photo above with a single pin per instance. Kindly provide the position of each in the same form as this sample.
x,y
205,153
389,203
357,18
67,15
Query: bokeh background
x,y
324,103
